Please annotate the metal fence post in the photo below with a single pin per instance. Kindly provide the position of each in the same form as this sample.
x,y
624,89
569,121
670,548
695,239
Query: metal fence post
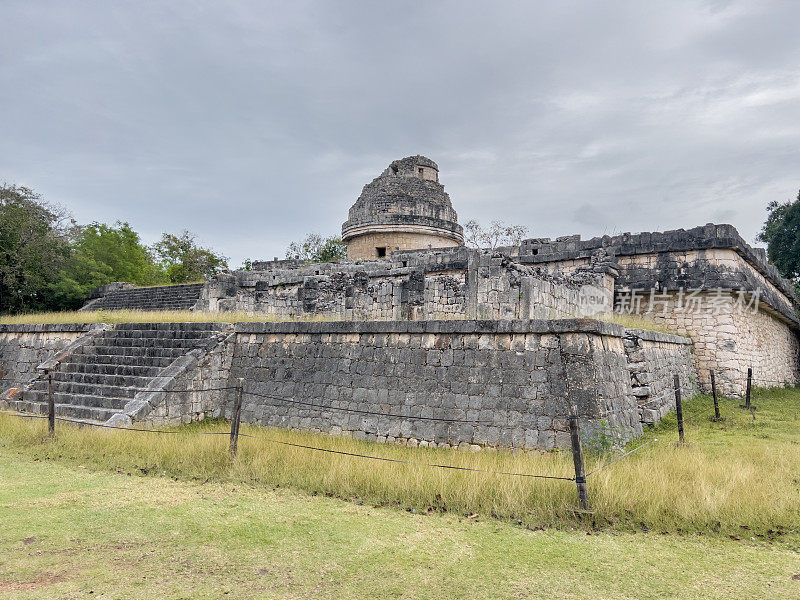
x,y
747,404
51,406
717,416
577,458
679,408
236,418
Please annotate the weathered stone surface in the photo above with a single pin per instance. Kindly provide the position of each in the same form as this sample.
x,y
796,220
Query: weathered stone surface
x,y
405,208
450,283
492,372
127,373
125,296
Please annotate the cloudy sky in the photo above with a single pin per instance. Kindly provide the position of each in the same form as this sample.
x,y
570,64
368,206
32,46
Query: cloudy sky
x,y
252,123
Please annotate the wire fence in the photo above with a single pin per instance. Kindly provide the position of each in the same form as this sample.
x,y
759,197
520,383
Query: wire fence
x,y
579,478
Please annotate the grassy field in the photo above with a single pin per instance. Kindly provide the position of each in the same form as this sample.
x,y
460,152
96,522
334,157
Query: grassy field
x,y
743,473
71,531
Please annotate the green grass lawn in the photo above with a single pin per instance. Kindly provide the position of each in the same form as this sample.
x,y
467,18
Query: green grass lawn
x,y
103,513
71,532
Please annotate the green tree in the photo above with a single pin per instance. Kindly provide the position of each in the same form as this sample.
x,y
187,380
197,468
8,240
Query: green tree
x,y
184,261
781,233
101,254
318,249
34,249
119,247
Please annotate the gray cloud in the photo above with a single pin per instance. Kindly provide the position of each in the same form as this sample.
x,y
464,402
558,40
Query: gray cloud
x,y
253,123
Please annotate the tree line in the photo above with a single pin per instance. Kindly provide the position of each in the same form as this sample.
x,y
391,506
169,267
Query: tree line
x,y
50,262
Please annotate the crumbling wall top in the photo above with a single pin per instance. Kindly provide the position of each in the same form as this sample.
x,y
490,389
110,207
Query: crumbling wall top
x,y
706,237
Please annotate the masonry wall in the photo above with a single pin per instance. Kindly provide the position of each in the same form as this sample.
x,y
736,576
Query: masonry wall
x,y
699,282
364,246
24,347
516,377
177,403
730,338
455,283
654,359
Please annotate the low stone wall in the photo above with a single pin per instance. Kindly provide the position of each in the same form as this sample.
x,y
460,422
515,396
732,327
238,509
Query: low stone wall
x,y
25,347
516,378
460,383
653,361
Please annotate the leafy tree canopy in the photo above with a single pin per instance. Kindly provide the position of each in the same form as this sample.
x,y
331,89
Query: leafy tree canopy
x,y
48,262
496,235
101,254
318,249
34,248
781,233
184,261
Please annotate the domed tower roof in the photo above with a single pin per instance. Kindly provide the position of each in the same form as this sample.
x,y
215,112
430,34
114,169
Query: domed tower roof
x,y
406,198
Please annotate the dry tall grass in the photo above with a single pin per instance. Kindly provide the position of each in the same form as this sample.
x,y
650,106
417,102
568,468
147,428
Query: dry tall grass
x,y
238,316
149,316
741,473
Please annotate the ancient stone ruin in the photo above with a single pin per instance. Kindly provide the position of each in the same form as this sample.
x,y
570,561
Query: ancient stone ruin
x,y
417,339
405,208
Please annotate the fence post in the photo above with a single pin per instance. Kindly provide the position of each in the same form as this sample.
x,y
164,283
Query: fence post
x,y
747,404
679,408
577,458
51,406
717,416
235,418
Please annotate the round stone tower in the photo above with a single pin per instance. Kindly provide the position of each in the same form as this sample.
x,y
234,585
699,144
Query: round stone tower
x,y
405,208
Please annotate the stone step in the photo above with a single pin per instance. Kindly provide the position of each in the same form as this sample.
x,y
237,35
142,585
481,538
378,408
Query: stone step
x,y
127,381
162,334
68,388
148,342
181,297
171,326
120,360
71,411
109,369
131,351
155,305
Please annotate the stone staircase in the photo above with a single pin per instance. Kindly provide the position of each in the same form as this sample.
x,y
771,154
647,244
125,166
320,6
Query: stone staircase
x,y
97,380
167,297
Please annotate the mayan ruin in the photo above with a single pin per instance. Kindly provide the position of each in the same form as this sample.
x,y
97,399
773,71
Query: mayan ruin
x,y
376,300
413,322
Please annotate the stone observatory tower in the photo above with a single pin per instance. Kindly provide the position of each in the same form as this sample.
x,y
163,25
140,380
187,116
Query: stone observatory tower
x,y
405,208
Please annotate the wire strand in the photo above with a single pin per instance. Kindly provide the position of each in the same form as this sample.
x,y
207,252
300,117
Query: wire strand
x,y
619,458
408,462
103,425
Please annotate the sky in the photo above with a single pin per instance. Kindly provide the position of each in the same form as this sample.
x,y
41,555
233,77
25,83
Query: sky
x,y
255,123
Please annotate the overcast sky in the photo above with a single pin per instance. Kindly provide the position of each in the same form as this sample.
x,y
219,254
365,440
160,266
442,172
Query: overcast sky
x,y
254,123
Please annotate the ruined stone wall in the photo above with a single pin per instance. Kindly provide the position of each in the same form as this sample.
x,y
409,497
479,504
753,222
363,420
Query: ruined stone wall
x,y
458,283
24,347
508,376
730,339
654,359
665,276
